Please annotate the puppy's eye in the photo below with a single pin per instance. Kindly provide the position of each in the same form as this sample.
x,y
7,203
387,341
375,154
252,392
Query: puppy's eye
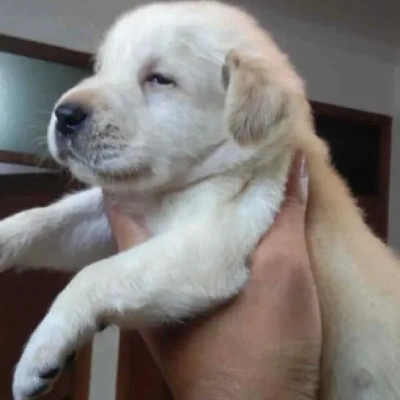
x,y
158,79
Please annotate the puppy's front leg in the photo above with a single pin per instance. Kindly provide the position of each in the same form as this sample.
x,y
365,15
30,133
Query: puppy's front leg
x,y
170,277
66,235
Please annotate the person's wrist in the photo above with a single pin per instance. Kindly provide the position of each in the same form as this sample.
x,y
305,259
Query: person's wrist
x,y
296,386
276,375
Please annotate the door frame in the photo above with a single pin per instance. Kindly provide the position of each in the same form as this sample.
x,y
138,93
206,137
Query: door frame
x,y
46,52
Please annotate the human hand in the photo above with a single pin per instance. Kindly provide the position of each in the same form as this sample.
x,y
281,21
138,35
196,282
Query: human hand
x,y
266,343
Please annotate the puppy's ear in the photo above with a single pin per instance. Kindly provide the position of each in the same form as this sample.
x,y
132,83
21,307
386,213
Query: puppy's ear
x,y
256,106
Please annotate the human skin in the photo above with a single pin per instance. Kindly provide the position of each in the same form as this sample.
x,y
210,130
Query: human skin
x,y
266,343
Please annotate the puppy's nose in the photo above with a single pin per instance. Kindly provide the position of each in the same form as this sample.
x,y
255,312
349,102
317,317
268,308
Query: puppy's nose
x,y
70,117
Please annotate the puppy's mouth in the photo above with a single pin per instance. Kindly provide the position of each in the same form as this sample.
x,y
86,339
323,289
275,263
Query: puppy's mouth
x,y
103,167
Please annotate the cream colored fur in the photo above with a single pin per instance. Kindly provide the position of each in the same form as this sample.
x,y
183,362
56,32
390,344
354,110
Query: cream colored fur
x,y
202,164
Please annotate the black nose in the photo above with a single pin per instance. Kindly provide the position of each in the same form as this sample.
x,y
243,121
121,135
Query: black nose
x,y
70,117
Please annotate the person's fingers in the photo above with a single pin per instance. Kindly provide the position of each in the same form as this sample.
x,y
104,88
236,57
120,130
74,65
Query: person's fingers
x,y
287,234
293,209
297,185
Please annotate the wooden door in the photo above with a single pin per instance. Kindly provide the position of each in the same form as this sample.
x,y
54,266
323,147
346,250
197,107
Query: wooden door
x,y
25,297
360,144
138,375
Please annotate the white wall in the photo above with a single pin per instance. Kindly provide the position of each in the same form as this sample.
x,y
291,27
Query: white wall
x,y
339,68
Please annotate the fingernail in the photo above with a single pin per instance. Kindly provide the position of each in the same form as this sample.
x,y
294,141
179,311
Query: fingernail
x,y
303,181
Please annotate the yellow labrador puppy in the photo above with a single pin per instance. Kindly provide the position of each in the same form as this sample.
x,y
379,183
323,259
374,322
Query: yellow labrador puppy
x,y
191,120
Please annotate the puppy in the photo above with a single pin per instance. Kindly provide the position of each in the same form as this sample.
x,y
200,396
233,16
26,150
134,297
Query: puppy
x,y
190,122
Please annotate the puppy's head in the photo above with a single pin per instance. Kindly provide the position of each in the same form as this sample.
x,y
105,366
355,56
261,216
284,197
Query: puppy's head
x,y
168,93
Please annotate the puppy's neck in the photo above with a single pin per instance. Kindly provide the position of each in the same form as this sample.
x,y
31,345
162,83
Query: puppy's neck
x,y
160,210
222,177
227,158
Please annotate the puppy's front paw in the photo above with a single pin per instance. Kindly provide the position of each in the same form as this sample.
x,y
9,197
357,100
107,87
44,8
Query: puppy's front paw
x,y
49,350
